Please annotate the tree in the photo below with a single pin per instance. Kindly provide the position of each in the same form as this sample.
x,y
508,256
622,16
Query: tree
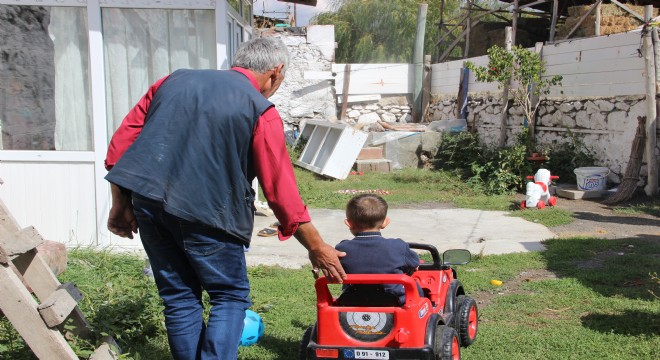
x,y
522,66
377,31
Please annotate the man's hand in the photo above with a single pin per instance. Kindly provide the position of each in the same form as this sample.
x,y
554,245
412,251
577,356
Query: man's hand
x,y
121,220
324,257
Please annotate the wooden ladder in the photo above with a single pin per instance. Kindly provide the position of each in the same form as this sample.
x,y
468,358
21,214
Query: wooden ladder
x,y
22,271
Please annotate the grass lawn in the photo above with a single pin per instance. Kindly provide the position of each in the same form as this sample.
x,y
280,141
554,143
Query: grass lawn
x,y
582,298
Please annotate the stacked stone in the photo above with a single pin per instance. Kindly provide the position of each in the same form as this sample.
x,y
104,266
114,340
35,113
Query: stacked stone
x,y
374,112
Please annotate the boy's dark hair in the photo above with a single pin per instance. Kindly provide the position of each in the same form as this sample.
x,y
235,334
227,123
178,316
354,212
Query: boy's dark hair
x,y
366,211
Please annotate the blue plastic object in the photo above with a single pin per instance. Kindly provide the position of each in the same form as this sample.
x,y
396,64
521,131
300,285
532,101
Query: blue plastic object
x,y
253,328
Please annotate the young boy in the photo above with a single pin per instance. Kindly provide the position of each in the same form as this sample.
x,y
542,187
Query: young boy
x,y
369,252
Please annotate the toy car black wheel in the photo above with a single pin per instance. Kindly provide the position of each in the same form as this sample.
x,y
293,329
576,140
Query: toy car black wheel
x,y
446,345
307,336
467,320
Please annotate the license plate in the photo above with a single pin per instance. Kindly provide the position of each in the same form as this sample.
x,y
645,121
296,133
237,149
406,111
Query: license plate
x,y
372,354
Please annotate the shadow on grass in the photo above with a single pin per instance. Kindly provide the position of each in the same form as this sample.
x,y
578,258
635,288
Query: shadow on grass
x,y
624,220
283,349
613,268
610,267
627,323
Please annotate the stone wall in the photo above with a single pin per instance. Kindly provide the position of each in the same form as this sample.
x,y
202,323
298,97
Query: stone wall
x,y
605,125
312,49
392,109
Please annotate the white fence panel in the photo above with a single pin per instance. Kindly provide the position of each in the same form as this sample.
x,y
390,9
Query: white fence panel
x,y
56,198
445,77
601,66
375,79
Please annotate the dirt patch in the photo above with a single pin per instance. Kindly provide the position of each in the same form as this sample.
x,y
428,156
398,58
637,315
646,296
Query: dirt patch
x,y
513,286
594,219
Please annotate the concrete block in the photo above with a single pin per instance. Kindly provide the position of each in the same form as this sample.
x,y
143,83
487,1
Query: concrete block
x,y
380,165
370,153
404,149
575,194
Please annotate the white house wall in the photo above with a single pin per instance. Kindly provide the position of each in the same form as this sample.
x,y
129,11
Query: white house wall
x,y
63,194
55,197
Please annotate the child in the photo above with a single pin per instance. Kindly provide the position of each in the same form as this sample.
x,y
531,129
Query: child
x,y
371,253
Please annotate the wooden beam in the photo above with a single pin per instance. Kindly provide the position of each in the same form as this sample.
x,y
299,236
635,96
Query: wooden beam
x,y
468,26
651,187
453,44
534,3
426,89
629,11
591,9
508,44
598,18
357,98
553,25
19,243
418,60
514,23
59,305
535,98
20,308
347,80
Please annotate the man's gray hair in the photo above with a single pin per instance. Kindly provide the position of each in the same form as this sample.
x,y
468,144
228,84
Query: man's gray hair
x,y
262,54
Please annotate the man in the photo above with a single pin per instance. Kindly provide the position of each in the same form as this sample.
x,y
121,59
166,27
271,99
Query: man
x,y
181,166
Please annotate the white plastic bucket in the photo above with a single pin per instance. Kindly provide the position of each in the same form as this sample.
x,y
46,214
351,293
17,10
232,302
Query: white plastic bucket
x,y
591,178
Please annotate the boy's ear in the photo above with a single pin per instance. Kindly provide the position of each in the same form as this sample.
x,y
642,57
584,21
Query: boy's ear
x,y
385,223
348,223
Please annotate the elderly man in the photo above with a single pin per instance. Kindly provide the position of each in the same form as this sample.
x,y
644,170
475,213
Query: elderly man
x,y
181,166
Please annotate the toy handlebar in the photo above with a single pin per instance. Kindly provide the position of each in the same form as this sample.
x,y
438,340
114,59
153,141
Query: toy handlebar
x,y
552,177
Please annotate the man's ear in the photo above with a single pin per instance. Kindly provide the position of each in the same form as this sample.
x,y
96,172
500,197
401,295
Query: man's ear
x,y
385,223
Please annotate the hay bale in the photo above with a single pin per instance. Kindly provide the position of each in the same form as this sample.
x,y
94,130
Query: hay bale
x,y
613,20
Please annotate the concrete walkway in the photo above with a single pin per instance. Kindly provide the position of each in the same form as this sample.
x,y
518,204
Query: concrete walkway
x,y
481,232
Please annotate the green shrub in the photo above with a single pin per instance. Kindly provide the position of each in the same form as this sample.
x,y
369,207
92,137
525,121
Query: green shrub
x,y
567,156
491,171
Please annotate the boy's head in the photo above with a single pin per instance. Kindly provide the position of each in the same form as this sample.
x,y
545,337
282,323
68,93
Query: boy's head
x,y
366,212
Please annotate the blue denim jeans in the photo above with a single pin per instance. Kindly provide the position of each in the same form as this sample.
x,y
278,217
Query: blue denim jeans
x,y
187,258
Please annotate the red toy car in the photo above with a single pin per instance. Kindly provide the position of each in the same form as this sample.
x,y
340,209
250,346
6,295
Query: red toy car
x,y
370,324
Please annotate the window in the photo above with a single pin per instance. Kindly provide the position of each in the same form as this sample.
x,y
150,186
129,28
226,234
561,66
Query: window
x,y
44,79
235,4
143,45
235,39
247,12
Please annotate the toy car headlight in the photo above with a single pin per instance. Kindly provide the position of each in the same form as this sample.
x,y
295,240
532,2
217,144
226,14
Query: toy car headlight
x,y
366,326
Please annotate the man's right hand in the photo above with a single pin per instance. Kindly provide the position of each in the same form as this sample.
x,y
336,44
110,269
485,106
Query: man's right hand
x,y
121,220
324,257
